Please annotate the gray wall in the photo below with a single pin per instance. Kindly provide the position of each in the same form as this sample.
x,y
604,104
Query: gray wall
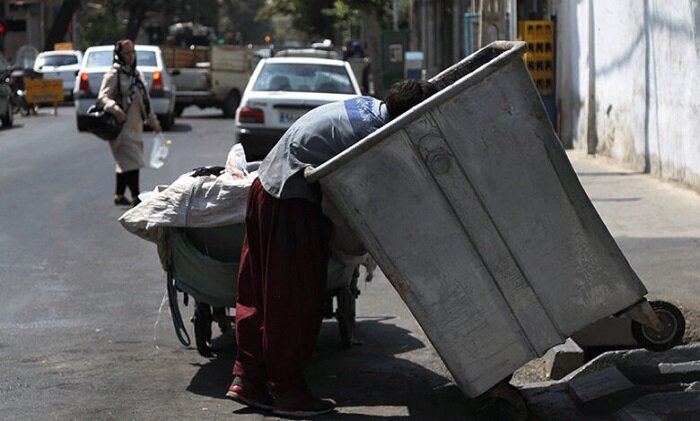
x,y
627,82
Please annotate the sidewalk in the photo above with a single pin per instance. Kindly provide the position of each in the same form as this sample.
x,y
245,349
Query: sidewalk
x,y
657,225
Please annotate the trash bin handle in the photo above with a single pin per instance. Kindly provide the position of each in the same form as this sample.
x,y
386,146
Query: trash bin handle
x,y
508,52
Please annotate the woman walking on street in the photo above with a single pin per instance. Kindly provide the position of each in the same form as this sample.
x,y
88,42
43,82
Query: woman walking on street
x,y
124,94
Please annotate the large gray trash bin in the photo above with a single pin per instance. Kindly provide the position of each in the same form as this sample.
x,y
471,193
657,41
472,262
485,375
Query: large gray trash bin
x,y
471,208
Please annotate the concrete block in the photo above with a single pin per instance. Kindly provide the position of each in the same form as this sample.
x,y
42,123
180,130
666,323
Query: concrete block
x,y
598,389
662,373
662,406
563,359
680,368
638,358
549,400
693,387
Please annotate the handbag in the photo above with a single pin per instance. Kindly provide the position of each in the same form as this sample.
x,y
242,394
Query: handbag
x,y
101,123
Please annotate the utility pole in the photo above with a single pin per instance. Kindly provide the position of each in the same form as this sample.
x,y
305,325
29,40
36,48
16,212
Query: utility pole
x,y
592,130
513,20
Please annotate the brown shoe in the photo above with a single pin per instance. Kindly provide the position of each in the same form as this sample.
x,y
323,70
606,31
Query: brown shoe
x,y
296,403
120,200
253,394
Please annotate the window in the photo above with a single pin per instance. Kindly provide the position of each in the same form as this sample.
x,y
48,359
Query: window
x,y
104,58
57,60
99,59
303,77
146,58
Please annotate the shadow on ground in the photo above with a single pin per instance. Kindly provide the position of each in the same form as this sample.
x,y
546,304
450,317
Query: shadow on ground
x,y
375,380
213,115
13,127
180,128
213,378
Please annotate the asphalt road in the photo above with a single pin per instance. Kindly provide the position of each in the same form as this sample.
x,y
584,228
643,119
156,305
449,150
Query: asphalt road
x,y
84,329
85,332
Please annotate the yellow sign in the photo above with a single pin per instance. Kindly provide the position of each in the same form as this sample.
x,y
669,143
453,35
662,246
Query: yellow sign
x,y
63,46
44,90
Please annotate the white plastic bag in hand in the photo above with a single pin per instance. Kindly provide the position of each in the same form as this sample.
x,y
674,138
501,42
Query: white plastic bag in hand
x,y
160,150
236,162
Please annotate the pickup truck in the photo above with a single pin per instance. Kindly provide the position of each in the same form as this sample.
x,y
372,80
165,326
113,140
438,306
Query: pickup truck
x,y
209,76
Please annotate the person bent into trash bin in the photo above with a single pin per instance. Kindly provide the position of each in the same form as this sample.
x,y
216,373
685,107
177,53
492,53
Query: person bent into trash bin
x,y
283,265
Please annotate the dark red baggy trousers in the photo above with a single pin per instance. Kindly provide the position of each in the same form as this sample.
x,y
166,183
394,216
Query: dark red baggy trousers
x,y
281,288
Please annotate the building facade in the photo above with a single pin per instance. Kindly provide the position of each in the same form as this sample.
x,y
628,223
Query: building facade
x,y
625,71
26,23
628,83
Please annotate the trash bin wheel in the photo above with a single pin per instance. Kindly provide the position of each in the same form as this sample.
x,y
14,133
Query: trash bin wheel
x,y
345,312
672,333
202,320
504,403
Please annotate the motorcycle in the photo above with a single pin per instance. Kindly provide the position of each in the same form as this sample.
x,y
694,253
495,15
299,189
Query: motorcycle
x,y
19,93
22,70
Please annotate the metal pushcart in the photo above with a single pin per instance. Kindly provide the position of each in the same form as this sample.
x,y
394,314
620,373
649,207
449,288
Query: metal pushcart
x,y
197,225
203,264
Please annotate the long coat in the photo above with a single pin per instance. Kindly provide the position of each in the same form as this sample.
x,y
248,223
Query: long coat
x,y
127,148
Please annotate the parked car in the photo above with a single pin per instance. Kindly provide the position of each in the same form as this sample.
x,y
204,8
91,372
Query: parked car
x,y
281,90
63,65
6,112
149,59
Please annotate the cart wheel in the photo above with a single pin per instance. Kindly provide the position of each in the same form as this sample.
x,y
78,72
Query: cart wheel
x,y
672,333
504,403
345,313
328,312
224,322
202,328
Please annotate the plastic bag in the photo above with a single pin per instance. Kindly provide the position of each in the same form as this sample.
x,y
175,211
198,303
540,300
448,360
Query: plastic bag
x,y
160,150
236,162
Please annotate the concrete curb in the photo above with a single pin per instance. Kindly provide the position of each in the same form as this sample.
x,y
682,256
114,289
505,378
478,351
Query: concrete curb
x,y
633,384
563,359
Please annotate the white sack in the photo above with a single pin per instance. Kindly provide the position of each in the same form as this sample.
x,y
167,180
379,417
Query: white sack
x,y
205,201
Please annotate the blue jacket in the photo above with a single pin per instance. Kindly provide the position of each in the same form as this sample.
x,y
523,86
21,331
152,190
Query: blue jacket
x,y
316,137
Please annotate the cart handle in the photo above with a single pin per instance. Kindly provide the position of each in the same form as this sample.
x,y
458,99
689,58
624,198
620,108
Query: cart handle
x,y
179,326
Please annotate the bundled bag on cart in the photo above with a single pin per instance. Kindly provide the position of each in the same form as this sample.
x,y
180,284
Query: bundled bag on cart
x,y
197,223
179,218
190,201
199,201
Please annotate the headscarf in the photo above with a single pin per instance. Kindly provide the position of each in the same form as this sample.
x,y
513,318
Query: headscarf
x,y
135,81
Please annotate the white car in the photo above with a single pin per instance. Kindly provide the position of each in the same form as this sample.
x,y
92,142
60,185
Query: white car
x,y
149,59
63,65
281,90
